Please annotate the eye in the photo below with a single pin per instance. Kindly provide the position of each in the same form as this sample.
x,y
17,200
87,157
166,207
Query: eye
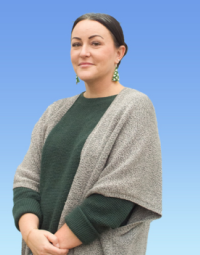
x,y
75,44
96,43
78,44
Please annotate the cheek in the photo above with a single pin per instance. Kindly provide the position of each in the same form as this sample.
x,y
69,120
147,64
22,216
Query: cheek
x,y
107,56
73,57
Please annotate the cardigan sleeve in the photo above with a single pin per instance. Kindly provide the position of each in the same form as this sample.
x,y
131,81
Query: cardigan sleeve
x,y
97,214
26,195
133,170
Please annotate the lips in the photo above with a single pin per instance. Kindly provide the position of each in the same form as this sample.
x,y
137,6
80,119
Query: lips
x,y
85,64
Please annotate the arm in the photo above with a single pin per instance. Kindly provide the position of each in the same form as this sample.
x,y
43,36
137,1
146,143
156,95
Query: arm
x,y
95,215
26,210
28,222
26,201
27,177
66,238
133,170
39,240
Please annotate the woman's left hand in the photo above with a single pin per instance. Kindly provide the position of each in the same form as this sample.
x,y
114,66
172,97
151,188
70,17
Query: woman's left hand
x,y
66,238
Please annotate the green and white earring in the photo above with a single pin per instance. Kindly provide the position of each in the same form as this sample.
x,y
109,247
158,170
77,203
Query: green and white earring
x,y
115,75
77,79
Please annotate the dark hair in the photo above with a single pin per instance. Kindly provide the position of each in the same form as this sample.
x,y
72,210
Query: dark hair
x,y
110,23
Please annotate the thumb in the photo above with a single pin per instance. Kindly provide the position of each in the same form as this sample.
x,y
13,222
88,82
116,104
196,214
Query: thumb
x,y
52,238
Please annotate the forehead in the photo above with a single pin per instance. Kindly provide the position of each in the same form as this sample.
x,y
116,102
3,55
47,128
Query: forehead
x,y
89,27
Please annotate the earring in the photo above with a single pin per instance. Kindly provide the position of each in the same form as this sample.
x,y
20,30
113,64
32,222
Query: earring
x,y
77,79
115,75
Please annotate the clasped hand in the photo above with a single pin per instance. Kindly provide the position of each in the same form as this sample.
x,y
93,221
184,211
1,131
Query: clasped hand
x,y
42,242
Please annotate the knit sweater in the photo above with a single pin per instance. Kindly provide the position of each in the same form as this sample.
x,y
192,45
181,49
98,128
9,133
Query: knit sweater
x,y
60,160
121,158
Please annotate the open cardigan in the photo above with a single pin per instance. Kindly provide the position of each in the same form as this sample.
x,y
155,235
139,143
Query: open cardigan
x,y
121,158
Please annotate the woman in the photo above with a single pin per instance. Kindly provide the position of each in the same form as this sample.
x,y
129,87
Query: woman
x,y
91,181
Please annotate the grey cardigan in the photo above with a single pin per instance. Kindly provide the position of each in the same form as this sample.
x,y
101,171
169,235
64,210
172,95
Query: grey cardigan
x,y
120,158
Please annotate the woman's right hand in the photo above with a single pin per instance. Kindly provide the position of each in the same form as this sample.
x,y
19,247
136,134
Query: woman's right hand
x,y
42,242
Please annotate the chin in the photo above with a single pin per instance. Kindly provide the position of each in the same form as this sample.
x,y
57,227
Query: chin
x,y
87,78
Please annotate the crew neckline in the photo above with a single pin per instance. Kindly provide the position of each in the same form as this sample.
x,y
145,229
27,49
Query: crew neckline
x,y
81,95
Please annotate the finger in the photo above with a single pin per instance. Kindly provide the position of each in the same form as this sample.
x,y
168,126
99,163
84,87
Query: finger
x,y
59,252
52,238
50,249
56,251
63,252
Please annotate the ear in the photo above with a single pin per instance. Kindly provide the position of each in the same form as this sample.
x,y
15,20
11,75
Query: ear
x,y
120,53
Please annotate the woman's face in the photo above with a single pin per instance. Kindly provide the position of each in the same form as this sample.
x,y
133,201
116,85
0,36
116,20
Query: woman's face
x,y
92,42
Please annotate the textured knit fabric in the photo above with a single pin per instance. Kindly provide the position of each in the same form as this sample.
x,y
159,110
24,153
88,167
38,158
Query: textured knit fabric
x,y
60,159
120,158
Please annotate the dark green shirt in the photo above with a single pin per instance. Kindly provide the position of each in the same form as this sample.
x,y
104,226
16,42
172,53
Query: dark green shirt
x,y
60,160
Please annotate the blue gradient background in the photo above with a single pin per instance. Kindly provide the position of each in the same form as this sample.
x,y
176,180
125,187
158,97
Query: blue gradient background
x,y
163,61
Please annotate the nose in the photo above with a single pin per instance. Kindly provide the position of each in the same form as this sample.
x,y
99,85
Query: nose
x,y
84,52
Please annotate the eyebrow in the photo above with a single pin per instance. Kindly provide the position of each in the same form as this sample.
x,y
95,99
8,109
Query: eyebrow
x,y
88,37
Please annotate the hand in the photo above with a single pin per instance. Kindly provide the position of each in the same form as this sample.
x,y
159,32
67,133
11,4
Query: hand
x,y
66,238
39,243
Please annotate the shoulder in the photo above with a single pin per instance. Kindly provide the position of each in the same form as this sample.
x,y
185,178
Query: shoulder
x,y
62,103
57,109
138,100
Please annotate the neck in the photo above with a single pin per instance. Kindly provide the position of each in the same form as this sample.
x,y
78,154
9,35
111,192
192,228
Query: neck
x,y
102,89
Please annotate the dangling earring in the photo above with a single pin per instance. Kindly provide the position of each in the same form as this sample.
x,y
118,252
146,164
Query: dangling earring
x,y
115,75
77,79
